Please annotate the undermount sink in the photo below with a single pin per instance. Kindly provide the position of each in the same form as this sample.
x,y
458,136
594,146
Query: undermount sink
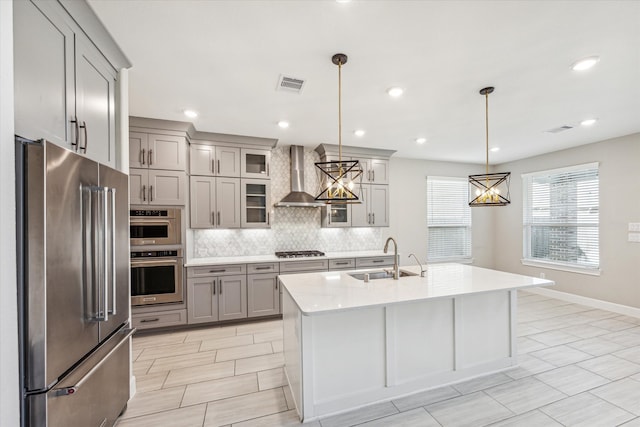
x,y
380,274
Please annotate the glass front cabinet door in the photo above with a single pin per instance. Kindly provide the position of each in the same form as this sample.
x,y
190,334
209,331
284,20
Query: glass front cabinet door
x,y
255,163
256,203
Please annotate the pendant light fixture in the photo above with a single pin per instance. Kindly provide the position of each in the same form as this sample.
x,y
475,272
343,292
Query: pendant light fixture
x,y
489,189
341,180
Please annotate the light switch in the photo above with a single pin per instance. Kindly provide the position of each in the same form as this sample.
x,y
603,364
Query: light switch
x,y
634,237
634,226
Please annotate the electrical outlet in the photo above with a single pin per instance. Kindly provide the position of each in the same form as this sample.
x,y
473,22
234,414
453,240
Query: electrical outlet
x,y
543,276
634,226
634,237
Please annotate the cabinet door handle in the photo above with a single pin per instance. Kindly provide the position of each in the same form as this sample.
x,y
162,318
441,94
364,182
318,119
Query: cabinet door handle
x,y
219,218
374,217
368,218
377,260
144,193
268,219
213,218
155,319
342,263
218,167
217,271
373,175
276,284
220,284
77,135
150,157
86,136
143,153
214,286
151,193
263,268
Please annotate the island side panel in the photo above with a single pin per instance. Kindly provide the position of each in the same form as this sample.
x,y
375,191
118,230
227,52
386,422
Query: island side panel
x,y
349,358
292,347
484,332
423,342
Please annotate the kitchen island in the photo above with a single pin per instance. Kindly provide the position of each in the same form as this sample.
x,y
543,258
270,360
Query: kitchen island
x,y
349,343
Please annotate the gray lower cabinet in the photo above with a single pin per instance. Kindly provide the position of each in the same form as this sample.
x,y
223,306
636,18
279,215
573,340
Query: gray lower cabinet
x,y
157,187
342,264
211,298
159,319
263,294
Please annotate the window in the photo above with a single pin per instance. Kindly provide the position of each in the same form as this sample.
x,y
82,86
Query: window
x,y
448,219
561,218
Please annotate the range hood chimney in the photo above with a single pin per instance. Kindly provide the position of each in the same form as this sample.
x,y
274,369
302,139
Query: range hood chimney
x,y
297,197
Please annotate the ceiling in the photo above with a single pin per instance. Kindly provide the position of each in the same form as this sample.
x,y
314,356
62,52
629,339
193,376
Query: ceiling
x,y
224,58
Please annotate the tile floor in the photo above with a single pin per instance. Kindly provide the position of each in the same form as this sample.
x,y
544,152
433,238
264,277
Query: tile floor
x,y
577,366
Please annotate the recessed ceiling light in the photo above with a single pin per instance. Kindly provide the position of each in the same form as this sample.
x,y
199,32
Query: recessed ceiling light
x,y
283,124
343,1
588,122
191,114
494,149
585,63
421,140
359,132
395,91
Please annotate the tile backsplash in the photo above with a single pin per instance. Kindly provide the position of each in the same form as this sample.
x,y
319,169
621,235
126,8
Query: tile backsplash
x,y
291,228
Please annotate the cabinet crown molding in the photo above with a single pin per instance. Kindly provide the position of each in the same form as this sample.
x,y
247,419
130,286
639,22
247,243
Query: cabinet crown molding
x,y
173,127
328,149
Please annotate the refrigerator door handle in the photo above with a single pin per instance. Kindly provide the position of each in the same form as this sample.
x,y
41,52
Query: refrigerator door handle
x,y
112,249
70,390
105,254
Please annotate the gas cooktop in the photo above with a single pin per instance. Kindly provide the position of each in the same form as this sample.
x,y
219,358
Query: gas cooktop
x,y
298,254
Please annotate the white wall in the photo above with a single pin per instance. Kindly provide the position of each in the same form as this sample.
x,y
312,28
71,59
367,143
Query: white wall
x,y
619,171
9,390
408,204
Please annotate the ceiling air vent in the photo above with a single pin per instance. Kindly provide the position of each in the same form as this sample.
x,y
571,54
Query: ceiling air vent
x,y
559,129
290,84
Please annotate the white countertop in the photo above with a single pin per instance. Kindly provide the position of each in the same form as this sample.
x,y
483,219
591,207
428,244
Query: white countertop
x,y
195,262
333,291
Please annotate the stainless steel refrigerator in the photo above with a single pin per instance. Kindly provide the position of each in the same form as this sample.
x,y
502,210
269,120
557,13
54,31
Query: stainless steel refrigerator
x,y
73,263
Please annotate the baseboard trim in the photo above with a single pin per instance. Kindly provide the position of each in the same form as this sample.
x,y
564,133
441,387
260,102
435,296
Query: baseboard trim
x,y
589,302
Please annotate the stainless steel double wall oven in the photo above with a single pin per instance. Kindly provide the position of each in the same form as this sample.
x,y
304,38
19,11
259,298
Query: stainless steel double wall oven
x,y
157,271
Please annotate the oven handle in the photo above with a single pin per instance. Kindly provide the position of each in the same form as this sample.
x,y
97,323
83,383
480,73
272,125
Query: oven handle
x,y
141,263
135,221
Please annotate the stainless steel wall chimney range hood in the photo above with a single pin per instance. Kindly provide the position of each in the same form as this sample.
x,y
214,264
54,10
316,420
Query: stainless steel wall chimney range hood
x,y
297,197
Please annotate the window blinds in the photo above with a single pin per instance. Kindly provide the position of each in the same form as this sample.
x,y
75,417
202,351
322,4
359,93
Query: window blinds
x,y
561,216
448,219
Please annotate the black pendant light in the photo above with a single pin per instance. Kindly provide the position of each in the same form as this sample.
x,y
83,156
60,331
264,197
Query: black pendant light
x,y
489,189
341,180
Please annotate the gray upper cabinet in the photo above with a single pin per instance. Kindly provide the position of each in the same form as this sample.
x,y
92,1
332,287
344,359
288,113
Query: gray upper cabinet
x,y
215,202
255,163
255,203
209,160
64,86
157,187
374,209
157,151
376,171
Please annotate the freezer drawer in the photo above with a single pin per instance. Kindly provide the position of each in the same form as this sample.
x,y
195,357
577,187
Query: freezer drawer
x,y
92,395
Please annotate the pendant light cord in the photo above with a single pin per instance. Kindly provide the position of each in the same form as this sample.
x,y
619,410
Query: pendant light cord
x,y
486,125
340,113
